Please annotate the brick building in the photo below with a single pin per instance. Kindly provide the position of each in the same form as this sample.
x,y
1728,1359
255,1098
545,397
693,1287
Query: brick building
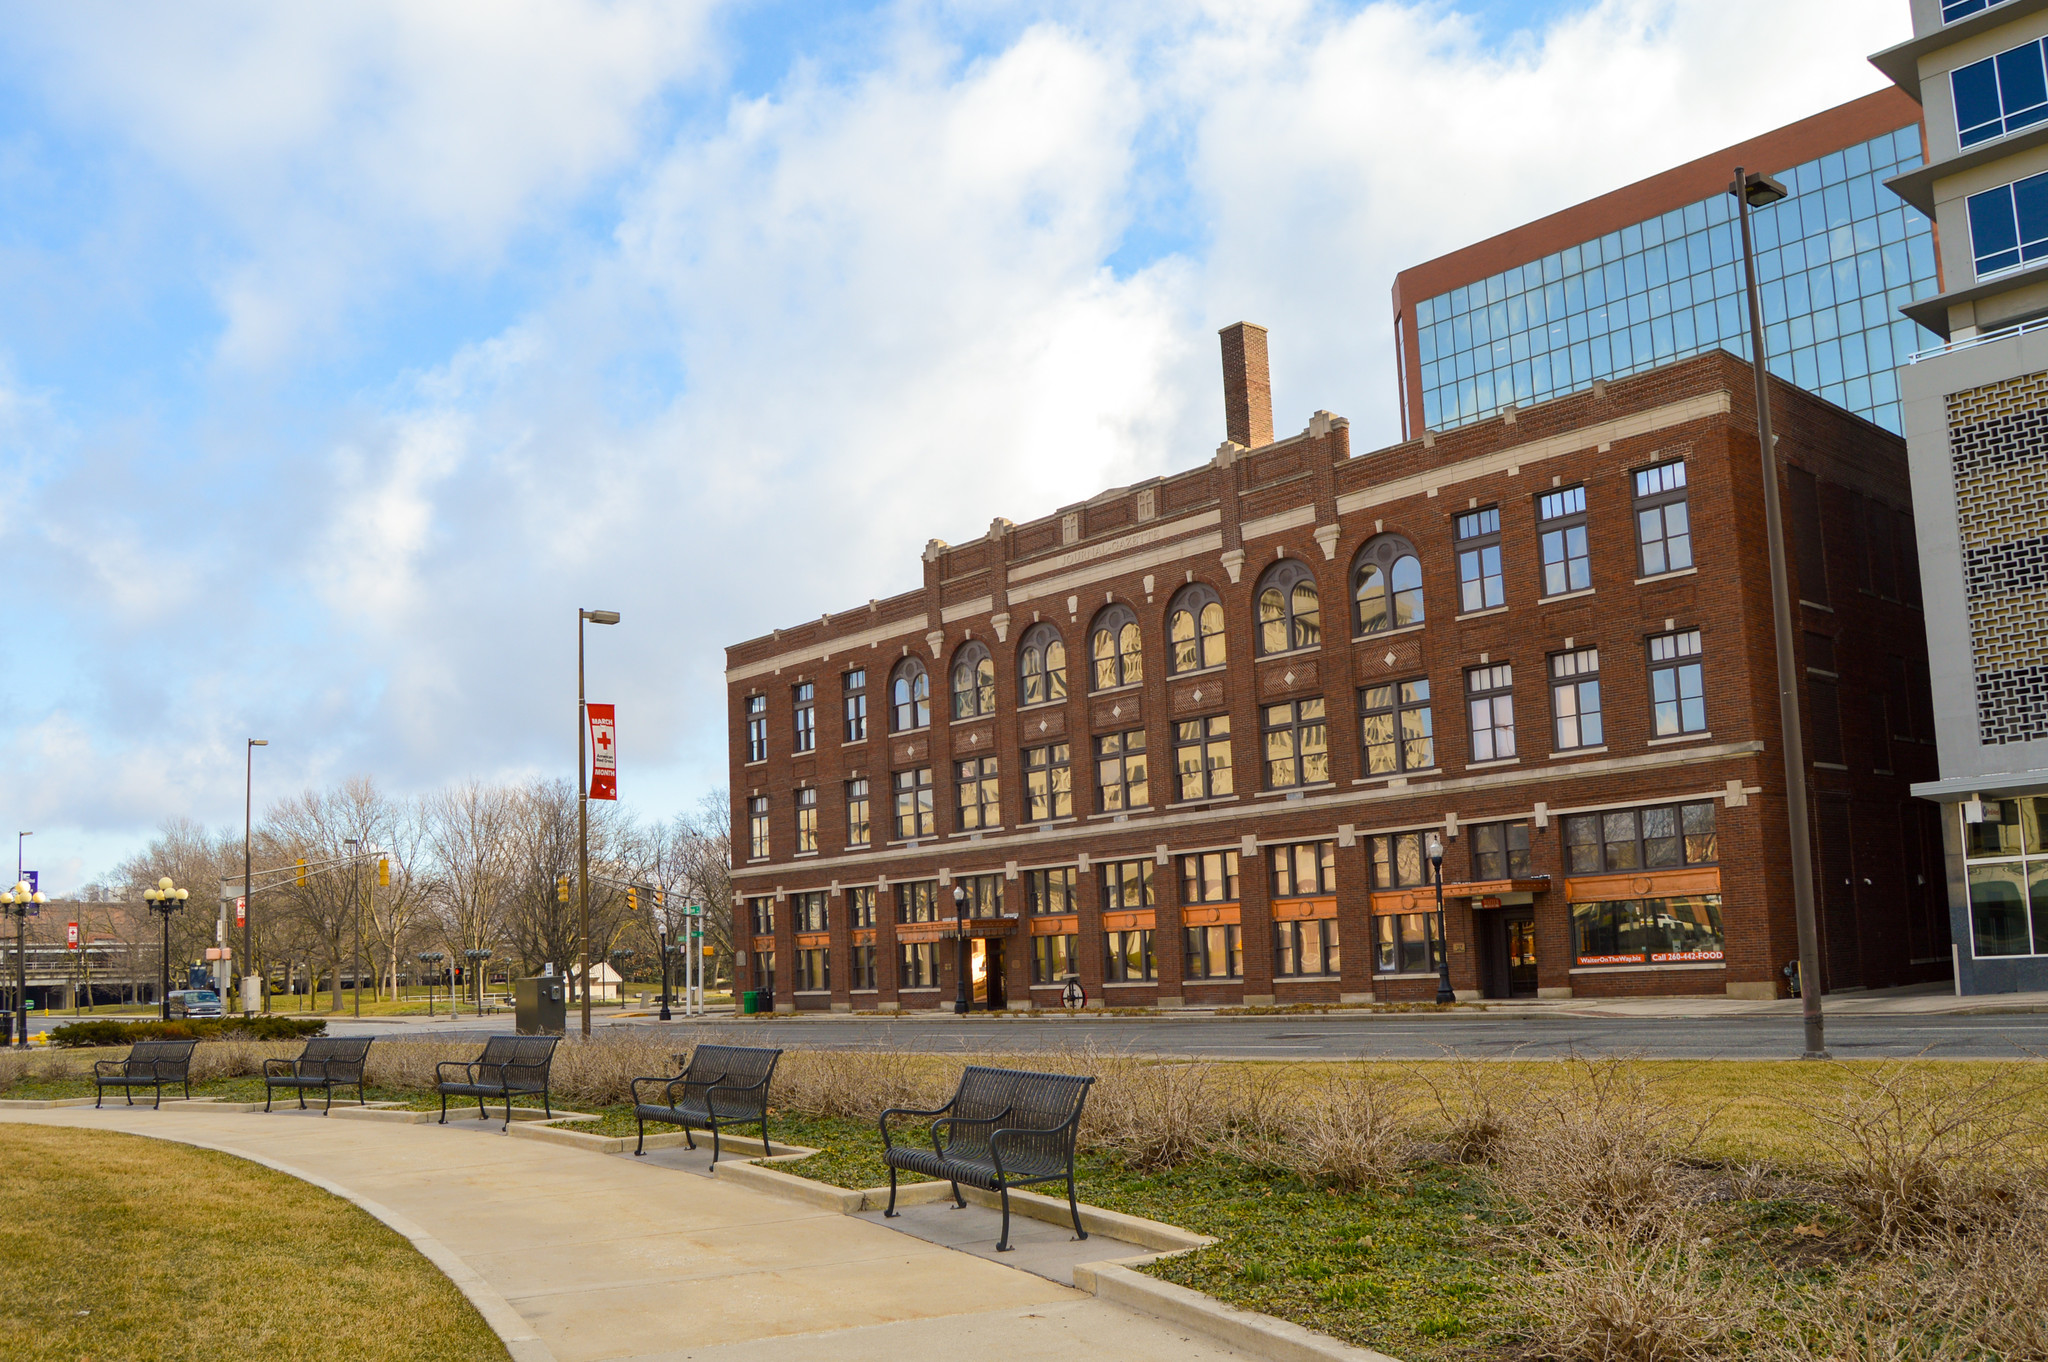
x,y
1186,740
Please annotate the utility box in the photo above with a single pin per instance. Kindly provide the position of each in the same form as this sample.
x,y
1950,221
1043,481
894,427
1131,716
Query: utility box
x,y
541,1006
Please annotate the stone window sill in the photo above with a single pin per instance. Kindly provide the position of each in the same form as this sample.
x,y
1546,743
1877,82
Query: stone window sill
x,y
1682,737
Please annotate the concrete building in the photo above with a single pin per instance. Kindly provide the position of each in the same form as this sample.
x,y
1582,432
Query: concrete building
x,y
1651,273
1185,741
1976,405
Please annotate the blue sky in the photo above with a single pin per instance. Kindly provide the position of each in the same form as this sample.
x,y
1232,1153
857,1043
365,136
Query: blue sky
x,y
345,351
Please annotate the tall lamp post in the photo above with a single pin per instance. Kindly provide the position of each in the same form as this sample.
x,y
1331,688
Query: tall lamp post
x,y
165,900
476,960
667,956
583,802
432,960
248,908
21,902
1444,992
960,1003
1757,190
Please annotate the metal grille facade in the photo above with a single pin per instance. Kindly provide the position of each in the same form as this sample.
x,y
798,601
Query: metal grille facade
x,y
1998,448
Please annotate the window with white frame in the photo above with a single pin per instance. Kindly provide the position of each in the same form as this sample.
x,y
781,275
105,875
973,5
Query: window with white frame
x,y
757,728
1297,739
1678,698
1120,781
807,818
1048,783
757,826
1201,757
858,828
1395,727
1575,699
1663,523
1194,629
1480,584
804,716
980,799
914,816
1290,610
854,686
1490,705
1561,537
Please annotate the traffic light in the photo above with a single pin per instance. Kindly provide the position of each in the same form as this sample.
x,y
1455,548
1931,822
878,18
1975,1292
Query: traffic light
x,y
632,899
302,872
384,871
562,888
657,898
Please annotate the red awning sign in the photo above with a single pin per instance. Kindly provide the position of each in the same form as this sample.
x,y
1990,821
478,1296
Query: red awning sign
x,y
604,765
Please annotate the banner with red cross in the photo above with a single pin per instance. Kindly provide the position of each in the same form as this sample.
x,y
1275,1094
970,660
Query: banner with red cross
x,y
604,766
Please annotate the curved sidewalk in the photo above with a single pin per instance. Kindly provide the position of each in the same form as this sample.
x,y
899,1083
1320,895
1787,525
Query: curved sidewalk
x,y
603,1257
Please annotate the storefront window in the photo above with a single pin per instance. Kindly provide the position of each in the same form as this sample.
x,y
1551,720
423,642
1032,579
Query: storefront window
x,y
2008,873
1407,943
1677,930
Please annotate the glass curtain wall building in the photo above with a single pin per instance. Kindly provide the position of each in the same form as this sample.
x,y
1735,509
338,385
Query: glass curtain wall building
x,y
1632,289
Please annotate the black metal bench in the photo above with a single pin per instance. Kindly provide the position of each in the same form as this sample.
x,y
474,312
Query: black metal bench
x,y
722,1085
1004,1128
509,1065
327,1063
149,1064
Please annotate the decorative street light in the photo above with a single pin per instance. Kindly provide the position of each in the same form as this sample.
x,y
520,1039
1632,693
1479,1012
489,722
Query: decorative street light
x,y
668,950
1444,992
22,903
622,960
583,802
164,900
248,908
432,960
960,1003
476,960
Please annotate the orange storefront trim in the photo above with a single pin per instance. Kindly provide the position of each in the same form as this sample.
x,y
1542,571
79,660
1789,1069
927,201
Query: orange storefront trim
x,y
1646,884
1209,915
1134,920
1066,924
1303,910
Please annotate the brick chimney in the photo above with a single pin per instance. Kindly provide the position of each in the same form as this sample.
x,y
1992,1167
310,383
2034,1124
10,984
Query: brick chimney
x,y
1247,387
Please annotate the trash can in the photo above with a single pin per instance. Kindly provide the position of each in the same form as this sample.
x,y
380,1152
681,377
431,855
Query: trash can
x,y
750,1002
541,1005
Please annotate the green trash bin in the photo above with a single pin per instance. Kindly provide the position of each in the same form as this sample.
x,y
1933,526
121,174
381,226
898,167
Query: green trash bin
x,y
750,1002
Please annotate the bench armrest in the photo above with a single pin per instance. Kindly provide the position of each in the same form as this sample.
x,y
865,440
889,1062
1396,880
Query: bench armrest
x,y
107,1066
290,1068
949,1122
907,1111
469,1070
668,1087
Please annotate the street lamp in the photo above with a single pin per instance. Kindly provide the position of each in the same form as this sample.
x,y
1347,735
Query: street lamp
x,y
432,960
583,800
21,903
960,927
622,960
667,955
164,899
248,909
1756,190
1444,992
476,961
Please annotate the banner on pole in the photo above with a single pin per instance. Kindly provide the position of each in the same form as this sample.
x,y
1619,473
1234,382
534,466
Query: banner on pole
x,y
241,911
604,765
71,937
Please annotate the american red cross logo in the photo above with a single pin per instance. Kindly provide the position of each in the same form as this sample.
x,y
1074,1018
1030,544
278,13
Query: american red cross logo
x,y
604,741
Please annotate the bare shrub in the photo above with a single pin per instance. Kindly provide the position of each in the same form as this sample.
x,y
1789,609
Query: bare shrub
x,y
1154,1114
1348,1130
16,1065
217,1059
408,1065
1622,1297
1923,1151
859,1084
1475,1100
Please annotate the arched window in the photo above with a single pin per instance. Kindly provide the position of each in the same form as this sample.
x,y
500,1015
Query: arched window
x,y
1194,629
910,696
974,682
1041,666
1114,648
1290,615
1386,586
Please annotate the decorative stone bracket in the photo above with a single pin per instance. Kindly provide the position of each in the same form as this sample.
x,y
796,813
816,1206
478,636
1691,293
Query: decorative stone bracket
x,y
1233,563
1326,536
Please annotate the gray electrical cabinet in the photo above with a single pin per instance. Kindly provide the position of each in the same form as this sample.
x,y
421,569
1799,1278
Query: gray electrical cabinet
x,y
542,1005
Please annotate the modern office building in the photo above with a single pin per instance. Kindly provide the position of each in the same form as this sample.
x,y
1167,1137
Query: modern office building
x,y
1188,742
1976,402
1651,273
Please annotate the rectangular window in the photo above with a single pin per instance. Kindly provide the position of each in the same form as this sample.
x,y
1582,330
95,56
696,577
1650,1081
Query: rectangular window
x,y
984,895
1297,744
1490,704
1304,869
1120,772
1561,528
1213,952
1048,783
1825,700
917,901
1662,837
1048,892
862,975
1053,959
1407,943
980,799
1500,851
1128,957
807,912
920,965
1648,931
1952,10
814,971
1395,728
2008,878
1208,877
762,913
1678,699
804,714
858,828
1399,861
1479,580
1305,948
914,817
2000,95
860,908
1126,884
1575,699
855,684
1201,755
2009,225
757,826
807,818
764,970
1663,525
1808,546
757,728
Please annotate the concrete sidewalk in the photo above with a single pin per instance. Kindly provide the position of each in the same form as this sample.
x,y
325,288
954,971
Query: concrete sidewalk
x,y
576,1257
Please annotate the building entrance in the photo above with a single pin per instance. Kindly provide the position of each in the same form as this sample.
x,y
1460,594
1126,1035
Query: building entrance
x,y
1507,952
986,965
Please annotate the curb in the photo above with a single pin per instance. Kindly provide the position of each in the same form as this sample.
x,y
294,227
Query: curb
x,y
1156,1235
1252,1333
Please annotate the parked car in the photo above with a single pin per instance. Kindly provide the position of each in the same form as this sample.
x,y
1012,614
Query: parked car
x,y
194,1002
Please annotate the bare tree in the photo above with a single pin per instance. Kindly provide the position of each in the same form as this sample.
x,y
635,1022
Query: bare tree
x,y
469,829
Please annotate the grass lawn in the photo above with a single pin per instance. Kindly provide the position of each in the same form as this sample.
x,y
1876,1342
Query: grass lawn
x,y
122,1247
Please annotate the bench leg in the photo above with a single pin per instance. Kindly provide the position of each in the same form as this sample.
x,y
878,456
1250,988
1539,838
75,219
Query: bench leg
x,y
1074,1207
483,1113
890,1213
640,1143
508,1112
302,1099
444,1107
267,1091
959,1202
714,1141
99,1092
1003,1241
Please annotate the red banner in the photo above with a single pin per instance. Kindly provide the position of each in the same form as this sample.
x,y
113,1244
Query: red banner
x,y
604,766
71,937
241,911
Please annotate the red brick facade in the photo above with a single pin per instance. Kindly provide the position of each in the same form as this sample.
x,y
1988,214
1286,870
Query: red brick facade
x,y
1308,500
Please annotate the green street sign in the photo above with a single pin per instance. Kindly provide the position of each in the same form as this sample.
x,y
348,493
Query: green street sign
x,y
29,1006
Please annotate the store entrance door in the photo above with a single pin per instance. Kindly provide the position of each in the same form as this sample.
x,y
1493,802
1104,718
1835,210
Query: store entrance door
x,y
987,964
1507,942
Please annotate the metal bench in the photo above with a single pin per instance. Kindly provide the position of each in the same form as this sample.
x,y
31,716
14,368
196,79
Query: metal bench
x,y
327,1063
149,1064
1004,1128
508,1066
722,1085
